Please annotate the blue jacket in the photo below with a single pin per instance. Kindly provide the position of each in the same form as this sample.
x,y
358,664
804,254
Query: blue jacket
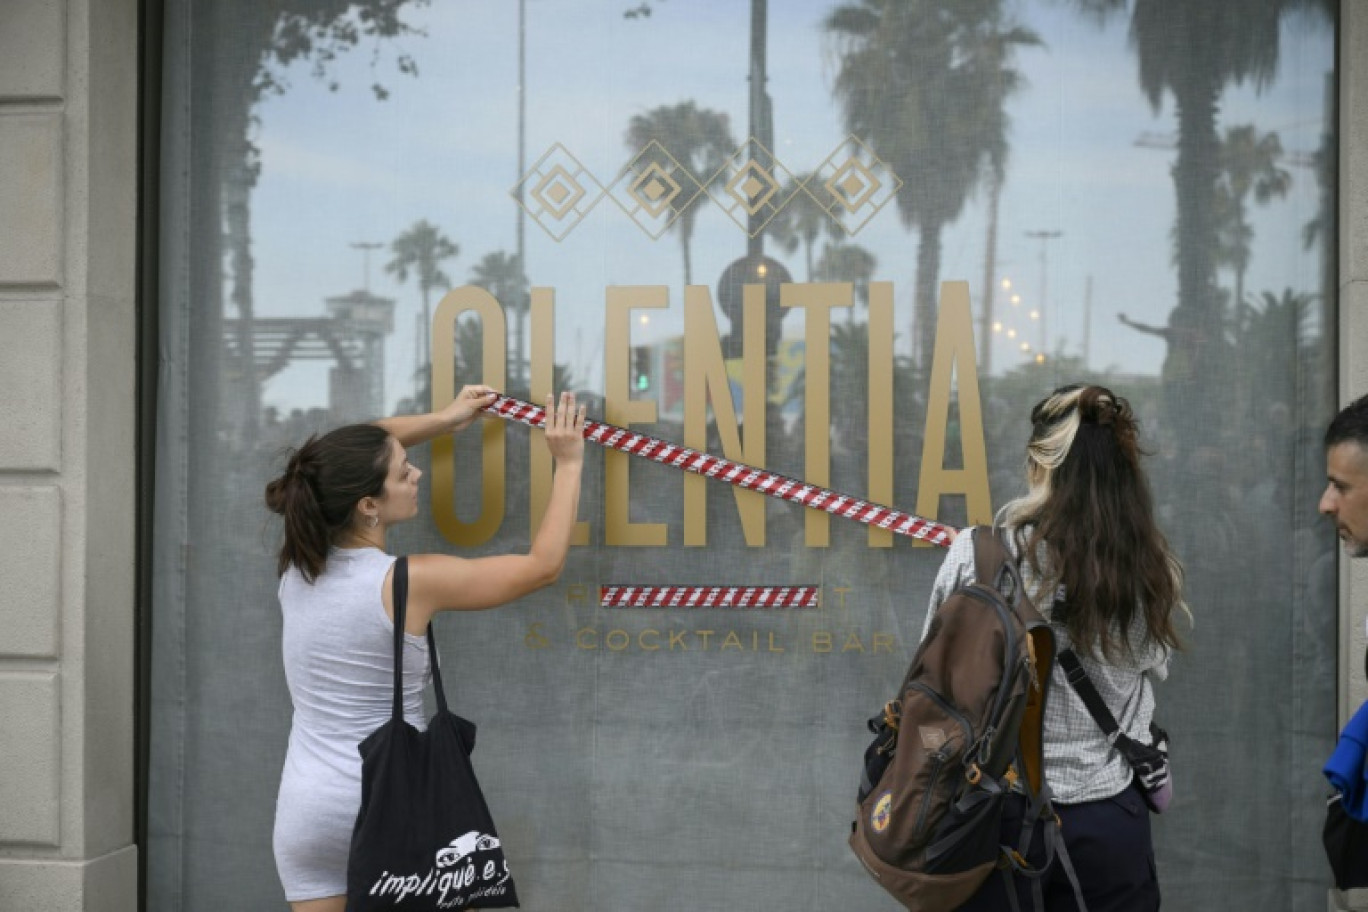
x,y
1347,768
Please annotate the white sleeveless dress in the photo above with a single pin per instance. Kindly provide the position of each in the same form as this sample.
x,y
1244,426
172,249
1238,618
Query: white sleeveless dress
x,y
338,646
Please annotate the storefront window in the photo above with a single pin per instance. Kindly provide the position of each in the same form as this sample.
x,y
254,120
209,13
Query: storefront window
x,y
946,210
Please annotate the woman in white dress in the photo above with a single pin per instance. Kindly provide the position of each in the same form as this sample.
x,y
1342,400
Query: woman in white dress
x,y
339,495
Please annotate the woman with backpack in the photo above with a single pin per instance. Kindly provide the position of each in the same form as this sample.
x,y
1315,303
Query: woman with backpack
x,y
339,496
1099,569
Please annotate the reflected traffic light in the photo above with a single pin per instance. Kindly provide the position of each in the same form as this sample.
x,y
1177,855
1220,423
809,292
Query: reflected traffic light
x,y
643,368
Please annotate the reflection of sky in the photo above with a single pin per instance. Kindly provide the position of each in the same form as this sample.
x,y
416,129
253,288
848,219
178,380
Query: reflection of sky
x,y
342,167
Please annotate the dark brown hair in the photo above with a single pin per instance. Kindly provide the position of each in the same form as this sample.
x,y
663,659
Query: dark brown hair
x,y
319,490
1090,512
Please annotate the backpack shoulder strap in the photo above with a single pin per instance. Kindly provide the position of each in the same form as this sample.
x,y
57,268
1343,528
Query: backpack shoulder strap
x,y
1087,692
994,564
990,555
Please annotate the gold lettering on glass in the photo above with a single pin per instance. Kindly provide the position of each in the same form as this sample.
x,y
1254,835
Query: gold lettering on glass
x,y
954,356
454,305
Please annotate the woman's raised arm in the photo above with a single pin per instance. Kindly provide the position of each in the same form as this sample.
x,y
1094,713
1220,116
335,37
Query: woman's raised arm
x,y
411,430
439,582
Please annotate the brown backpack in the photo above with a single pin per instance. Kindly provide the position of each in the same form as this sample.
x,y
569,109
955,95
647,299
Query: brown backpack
x,y
964,730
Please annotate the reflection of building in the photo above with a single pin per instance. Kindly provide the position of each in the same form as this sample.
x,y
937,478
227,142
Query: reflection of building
x,y
352,336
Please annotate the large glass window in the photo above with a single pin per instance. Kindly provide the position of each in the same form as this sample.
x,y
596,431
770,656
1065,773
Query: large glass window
x,y
946,209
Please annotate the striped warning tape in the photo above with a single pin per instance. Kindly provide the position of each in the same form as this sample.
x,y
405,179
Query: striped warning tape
x,y
738,473
709,596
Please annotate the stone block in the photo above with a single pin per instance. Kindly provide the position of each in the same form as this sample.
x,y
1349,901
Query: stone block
x,y
30,563
30,383
31,43
30,199
1349,900
105,884
107,163
31,757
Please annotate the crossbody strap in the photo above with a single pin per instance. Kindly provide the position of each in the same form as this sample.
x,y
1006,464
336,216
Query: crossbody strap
x,y
400,582
1087,692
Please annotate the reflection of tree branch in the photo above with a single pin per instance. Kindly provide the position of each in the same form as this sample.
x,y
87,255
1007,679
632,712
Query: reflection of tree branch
x,y
1161,332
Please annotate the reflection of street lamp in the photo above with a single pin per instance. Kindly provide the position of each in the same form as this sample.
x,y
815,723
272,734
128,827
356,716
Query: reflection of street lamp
x,y
365,247
1044,236
765,271
521,251
755,268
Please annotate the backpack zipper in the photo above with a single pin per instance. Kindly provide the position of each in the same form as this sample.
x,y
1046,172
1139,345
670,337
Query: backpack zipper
x,y
937,761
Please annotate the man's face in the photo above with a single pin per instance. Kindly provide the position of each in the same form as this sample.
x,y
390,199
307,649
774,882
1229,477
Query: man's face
x,y
1346,495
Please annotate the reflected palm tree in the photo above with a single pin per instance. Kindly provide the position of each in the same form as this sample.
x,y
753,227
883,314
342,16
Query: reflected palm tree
x,y
800,223
925,83
501,274
848,263
1274,333
1320,229
419,252
1249,165
697,138
469,348
1193,49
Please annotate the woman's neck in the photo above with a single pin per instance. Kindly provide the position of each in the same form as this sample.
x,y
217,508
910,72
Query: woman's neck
x,y
371,538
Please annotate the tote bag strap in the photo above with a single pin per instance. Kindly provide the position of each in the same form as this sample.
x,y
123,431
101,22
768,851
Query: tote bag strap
x,y
400,607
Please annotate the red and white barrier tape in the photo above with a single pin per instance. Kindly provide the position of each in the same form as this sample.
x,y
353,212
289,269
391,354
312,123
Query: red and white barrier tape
x,y
709,596
739,474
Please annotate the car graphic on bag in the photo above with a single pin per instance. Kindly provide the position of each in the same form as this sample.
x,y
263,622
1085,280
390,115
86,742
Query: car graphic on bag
x,y
461,846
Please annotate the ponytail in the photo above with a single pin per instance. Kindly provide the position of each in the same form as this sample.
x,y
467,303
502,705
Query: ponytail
x,y
319,490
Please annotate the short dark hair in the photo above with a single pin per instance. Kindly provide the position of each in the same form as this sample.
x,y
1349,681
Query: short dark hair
x,y
320,488
1350,425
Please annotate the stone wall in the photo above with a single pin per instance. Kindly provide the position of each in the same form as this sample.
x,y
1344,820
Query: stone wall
x,y
68,224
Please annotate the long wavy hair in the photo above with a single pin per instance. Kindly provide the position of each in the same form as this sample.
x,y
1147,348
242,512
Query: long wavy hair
x,y
1090,514
318,492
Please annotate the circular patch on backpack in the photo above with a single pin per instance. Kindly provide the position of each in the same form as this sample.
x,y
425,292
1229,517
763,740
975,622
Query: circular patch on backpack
x,y
882,814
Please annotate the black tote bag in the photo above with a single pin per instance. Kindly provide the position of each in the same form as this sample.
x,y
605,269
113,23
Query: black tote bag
x,y
423,838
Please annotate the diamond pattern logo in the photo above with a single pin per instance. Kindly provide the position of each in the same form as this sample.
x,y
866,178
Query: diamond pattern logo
x,y
852,185
654,189
752,187
558,192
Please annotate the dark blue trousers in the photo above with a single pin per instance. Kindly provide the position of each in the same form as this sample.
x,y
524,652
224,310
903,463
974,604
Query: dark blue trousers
x,y
1109,844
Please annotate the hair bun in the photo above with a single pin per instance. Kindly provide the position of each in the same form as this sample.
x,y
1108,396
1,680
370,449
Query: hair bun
x,y
299,478
303,466
1097,405
1100,407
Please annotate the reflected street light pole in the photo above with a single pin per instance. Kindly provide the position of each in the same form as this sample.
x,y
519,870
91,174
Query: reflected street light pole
x,y
521,249
761,120
1044,236
366,247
